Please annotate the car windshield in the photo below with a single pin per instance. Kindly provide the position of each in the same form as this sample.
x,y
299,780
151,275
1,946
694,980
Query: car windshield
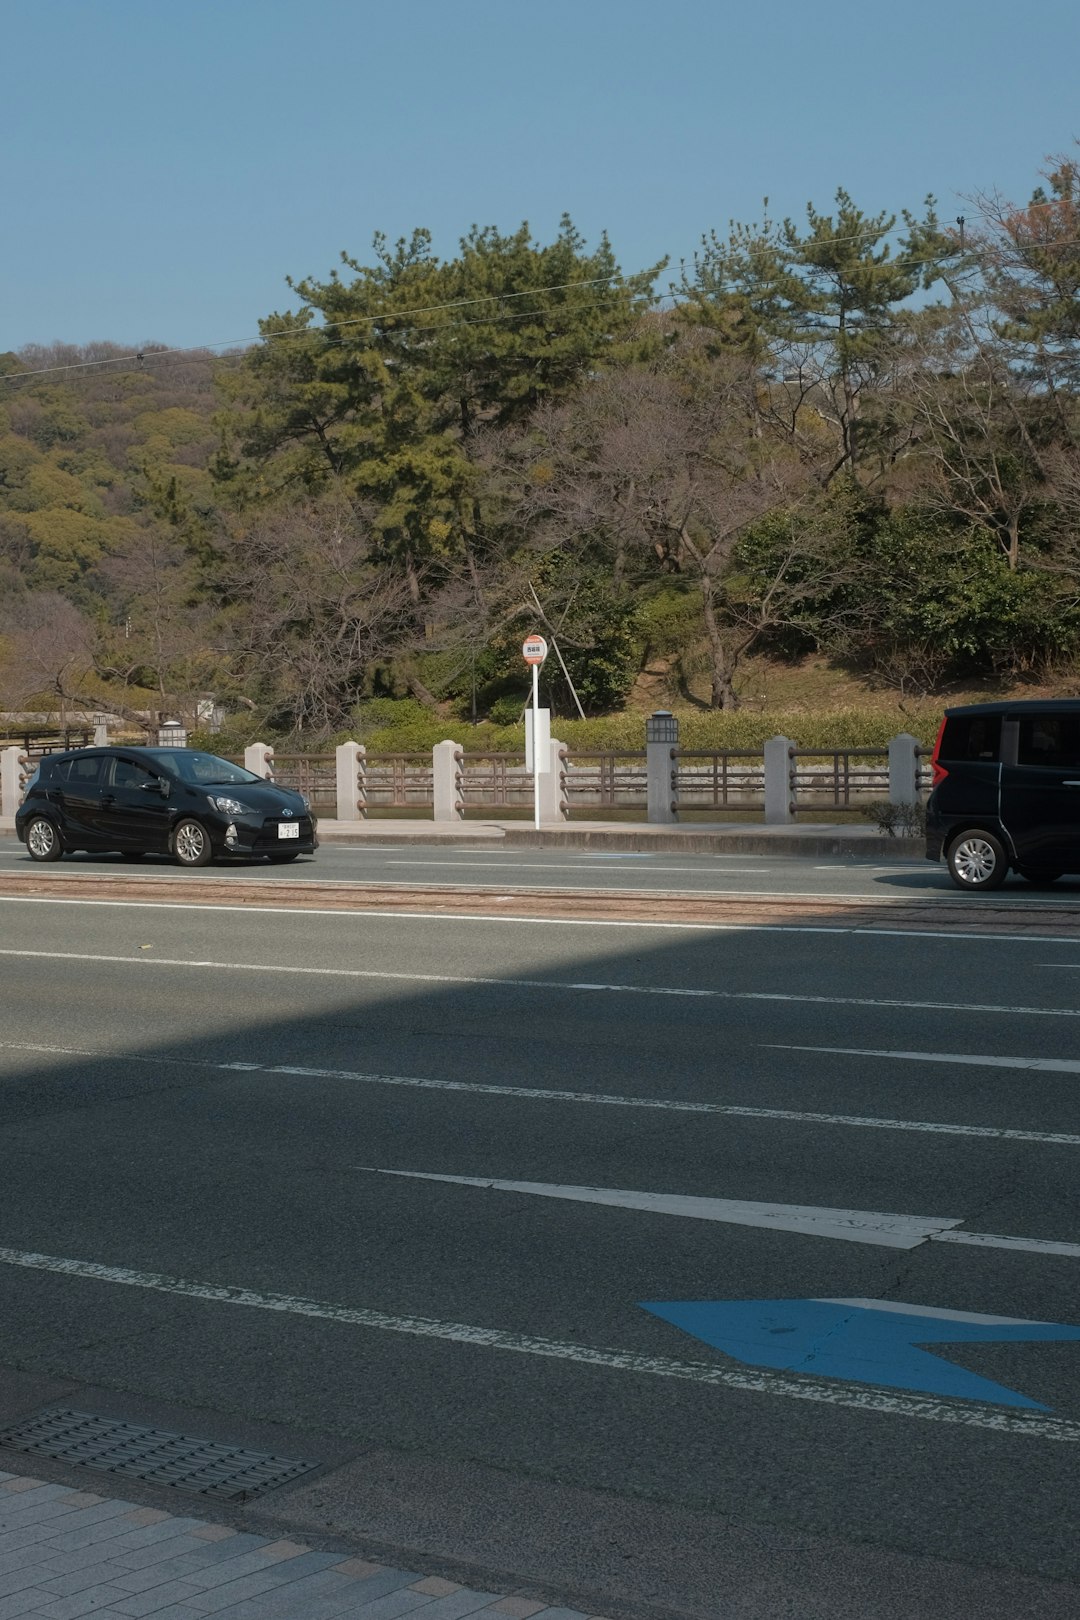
x,y
205,770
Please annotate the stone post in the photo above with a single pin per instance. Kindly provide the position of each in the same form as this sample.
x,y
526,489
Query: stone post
x,y
779,791
904,769
554,805
259,759
14,769
661,767
351,781
445,776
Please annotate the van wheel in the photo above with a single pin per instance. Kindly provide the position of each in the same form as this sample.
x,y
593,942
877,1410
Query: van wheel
x,y
43,840
1034,875
977,860
191,843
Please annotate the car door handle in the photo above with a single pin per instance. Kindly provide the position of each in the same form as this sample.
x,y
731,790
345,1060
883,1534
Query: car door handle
x,y
107,799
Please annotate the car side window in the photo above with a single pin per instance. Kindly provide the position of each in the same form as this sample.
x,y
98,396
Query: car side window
x,y
1050,739
126,774
85,771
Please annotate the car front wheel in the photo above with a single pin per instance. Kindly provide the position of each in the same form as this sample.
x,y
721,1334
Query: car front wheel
x,y
977,861
191,843
43,840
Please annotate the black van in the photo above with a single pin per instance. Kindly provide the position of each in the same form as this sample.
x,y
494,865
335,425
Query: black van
x,y
1006,792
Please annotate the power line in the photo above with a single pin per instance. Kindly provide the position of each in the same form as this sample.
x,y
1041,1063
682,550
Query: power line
x,y
387,315
143,356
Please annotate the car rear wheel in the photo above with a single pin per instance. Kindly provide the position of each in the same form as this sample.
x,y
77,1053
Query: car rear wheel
x,y
977,860
43,840
1033,875
191,843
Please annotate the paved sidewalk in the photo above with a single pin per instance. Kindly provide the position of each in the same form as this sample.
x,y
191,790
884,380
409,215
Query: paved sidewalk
x,y
67,1553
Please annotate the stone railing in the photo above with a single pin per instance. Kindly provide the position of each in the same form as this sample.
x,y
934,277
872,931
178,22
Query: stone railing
x,y
451,781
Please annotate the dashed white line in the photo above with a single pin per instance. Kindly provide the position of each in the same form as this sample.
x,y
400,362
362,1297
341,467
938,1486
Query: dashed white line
x,y
838,930
548,986
576,866
601,1099
828,1392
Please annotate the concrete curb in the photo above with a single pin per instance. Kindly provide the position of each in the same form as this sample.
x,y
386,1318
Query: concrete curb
x,y
812,842
836,842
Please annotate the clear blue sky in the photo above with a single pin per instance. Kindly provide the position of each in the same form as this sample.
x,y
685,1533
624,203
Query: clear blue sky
x,y
164,164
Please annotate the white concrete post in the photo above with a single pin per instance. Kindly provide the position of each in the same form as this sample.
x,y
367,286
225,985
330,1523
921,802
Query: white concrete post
x,y
779,792
445,757
904,769
554,805
14,769
351,781
259,758
101,734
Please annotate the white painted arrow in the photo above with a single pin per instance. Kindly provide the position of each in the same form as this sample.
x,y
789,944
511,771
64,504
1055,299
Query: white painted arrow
x,y
977,1059
854,1225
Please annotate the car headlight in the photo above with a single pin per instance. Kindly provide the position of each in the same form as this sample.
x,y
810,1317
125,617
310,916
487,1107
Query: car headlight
x,y
306,802
228,807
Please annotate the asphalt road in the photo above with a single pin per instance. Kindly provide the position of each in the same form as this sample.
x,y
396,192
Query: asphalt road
x,y
198,1112
895,879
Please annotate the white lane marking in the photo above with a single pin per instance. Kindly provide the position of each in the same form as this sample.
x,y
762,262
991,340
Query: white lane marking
x,y
603,1099
854,1225
546,985
566,866
975,1059
936,1313
859,930
840,867
799,1387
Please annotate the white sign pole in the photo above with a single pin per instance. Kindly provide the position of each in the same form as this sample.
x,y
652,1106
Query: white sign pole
x,y
534,651
536,746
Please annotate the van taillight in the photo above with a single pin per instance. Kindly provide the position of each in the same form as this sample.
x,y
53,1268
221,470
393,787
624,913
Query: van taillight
x,y
938,773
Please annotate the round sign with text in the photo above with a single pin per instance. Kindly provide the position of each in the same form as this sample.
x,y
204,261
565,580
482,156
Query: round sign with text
x,y
534,650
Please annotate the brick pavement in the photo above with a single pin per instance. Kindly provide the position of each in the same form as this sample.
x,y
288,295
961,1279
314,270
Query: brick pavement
x,y
67,1553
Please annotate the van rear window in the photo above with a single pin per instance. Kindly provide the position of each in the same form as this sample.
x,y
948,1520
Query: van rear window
x,y
971,736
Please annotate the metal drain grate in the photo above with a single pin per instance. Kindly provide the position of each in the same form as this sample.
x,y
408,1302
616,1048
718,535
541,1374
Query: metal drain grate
x,y
228,1473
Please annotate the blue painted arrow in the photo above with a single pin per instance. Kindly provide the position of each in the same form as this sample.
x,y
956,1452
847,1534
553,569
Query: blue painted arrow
x,y
865,1341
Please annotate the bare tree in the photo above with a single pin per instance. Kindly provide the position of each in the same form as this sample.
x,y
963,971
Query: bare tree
x,y
311,608
977,424
47,656
160,635
669,466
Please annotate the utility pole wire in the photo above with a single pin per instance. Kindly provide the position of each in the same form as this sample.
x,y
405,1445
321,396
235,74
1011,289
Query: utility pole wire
x,y
558,654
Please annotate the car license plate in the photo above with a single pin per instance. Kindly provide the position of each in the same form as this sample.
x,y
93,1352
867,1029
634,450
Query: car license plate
x,y
289,829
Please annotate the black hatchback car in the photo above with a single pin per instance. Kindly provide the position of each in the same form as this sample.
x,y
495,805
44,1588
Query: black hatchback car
x,y
174,801
1006,792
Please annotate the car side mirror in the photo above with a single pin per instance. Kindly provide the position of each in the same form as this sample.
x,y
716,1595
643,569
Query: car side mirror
x,y
156,784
